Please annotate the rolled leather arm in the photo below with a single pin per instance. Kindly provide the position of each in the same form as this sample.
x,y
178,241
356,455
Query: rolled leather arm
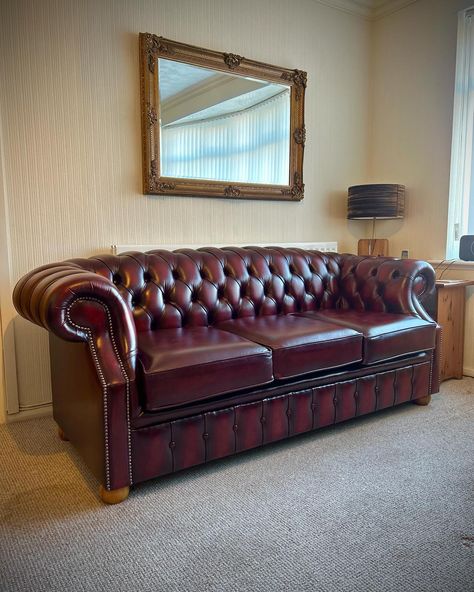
x,y
386,284
79,305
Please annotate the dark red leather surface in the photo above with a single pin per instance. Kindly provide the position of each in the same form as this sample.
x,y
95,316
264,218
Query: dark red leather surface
x,y
108,300
184,365
277,388
385,335
201,438
166,289
162,289
300,346
76,305
94,415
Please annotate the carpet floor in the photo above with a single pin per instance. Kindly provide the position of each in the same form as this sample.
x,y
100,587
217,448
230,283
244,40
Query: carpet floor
x,y
382,503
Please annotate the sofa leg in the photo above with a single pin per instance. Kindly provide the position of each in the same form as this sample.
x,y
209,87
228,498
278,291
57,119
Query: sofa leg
x,y
62,435
114,496
423,400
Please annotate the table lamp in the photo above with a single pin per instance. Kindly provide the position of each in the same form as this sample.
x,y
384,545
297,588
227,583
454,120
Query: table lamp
x,y
375,202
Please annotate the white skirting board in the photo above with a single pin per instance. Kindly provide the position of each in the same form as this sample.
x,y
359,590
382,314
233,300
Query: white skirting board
x,y
43,410
328,246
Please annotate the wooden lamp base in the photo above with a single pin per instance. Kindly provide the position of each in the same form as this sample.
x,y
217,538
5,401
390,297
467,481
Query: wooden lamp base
x,y
375,247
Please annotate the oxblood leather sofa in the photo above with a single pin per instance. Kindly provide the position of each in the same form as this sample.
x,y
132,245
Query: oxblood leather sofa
x,y
164,360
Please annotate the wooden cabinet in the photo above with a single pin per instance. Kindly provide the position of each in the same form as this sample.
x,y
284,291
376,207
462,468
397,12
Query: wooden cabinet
x,y
448,309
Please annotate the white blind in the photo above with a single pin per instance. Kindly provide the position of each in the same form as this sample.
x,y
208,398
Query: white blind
x,y
462,144
248,146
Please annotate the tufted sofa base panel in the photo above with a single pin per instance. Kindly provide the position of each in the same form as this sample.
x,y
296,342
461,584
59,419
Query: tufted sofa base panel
x,y
144,418
175,445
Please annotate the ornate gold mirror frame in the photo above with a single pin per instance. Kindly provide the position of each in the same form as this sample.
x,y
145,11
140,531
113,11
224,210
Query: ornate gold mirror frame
x,y
151,49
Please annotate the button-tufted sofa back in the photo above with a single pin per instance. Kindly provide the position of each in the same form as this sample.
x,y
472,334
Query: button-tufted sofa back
x,y
201,287
206,286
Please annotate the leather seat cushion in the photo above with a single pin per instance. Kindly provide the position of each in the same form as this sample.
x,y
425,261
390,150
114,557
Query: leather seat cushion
x,y
300,346
179,366
386,335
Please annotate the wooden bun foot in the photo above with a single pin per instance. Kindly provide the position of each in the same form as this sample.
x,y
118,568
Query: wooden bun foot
x,y
423,401
62,435
114,496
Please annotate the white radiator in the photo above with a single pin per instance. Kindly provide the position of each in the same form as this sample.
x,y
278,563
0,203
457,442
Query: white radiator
x,y
322,246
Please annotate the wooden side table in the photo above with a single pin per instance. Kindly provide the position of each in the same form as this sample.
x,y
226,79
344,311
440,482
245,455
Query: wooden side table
x,y
448,311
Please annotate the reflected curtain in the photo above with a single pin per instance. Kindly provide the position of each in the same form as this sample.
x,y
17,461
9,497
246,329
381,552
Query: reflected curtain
x,y
249,146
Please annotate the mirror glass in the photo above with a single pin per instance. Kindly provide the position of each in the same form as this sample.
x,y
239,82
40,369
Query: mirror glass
x,y
220,126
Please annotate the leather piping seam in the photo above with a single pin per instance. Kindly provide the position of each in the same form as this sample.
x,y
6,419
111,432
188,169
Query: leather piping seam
x,y
415,351
104,385
396,331
320,316
105,394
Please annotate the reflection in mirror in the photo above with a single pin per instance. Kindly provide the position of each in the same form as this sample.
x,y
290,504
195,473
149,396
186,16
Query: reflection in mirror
x,y
222,127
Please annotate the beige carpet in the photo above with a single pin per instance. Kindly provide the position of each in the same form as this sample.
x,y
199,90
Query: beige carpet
x,y
383,503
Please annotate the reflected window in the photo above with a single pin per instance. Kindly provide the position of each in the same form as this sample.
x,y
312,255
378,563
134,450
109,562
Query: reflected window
x,y
222,127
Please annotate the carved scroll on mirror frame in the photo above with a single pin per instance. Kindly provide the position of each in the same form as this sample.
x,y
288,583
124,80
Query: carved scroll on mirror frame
x,y
218,124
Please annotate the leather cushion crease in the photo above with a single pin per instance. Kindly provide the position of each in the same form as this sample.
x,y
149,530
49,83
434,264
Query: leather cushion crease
x,y
385,335
300,346
163,360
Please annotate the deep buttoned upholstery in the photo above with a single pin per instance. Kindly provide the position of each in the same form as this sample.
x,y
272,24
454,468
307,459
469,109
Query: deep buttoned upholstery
x,y
167,290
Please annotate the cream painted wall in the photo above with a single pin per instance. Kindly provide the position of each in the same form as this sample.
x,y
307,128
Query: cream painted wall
x,y
413,67
71,133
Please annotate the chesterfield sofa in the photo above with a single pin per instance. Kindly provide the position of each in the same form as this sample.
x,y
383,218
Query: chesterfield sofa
x,y
164,360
